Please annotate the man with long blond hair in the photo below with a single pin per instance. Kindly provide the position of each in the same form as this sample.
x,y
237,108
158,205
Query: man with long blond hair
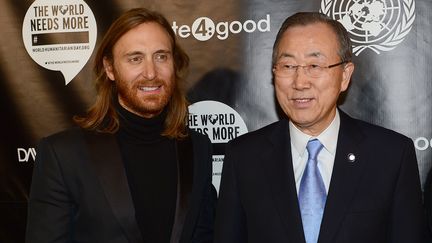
x,y
132,171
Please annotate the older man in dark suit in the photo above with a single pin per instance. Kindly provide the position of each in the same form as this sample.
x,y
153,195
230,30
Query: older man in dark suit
x,y
318,175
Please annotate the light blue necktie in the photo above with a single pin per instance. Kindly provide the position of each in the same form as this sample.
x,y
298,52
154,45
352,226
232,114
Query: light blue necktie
x,y
312,195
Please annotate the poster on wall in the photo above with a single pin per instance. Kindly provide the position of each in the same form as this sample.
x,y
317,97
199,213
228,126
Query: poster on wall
x,y
60,35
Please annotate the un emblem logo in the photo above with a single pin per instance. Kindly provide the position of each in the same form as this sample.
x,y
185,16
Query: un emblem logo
x,y
378,25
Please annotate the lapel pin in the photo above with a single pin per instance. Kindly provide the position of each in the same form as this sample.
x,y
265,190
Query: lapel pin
x,y
351,157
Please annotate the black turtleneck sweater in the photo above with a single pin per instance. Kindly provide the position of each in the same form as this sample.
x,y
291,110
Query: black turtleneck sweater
x,y
151,169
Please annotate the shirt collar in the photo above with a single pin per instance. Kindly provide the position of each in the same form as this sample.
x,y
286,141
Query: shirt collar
x,y
299,139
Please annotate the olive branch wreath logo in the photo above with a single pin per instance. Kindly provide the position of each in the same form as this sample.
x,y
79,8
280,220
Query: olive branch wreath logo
x,y
399,34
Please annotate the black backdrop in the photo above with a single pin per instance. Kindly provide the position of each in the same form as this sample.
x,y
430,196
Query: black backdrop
x,y
229,43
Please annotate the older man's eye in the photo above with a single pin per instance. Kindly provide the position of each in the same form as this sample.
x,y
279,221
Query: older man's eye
x,y
287,67
314,66
290,66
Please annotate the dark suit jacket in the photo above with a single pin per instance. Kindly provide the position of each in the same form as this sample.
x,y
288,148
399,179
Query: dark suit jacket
x,y
80,192
376,198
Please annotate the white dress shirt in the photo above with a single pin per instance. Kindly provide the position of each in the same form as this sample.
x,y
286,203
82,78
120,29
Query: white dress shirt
x,y
326,157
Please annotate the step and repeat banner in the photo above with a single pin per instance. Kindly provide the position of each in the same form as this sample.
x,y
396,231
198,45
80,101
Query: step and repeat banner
x,y
47,48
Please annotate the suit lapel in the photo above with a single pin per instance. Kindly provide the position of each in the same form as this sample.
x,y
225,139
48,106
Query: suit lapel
x,y
277,163
184,185
345,178
107,162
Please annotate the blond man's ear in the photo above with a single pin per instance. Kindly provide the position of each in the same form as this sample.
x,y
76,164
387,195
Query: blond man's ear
x,y
109,69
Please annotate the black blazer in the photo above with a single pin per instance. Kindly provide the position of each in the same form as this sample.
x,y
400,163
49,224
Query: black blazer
x,y
80,193
376,198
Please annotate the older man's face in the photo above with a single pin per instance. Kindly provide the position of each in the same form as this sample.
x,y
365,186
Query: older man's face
x,y
143,69
310,102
